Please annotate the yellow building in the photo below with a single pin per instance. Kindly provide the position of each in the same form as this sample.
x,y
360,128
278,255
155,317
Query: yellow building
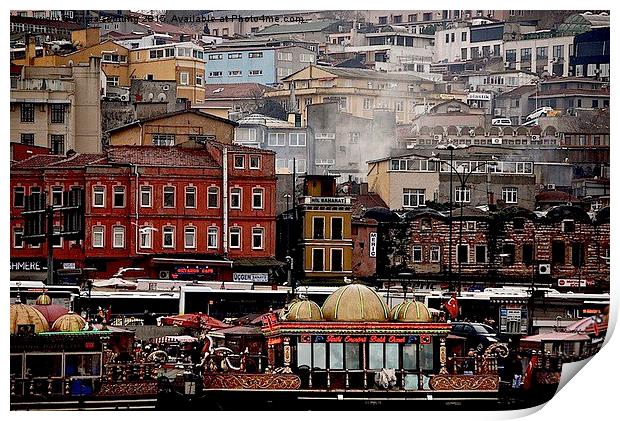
x,y
326,242
173,129
360,91
182,62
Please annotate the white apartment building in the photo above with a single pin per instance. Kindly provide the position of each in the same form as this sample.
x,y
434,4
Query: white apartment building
x,y
540,54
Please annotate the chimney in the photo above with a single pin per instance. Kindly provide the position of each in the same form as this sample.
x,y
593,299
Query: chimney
x,y
31,51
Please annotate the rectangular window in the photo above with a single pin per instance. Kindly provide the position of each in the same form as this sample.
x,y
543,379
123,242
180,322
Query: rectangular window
x,y
297,139
219,56
255,55
212,237
318,228
19,197
233,56
254,162
118,197
375,356
256,72
368,103
336,260
318,260
336,356
481,254
578,254
306,58
462,195
219,74
558,256
190,237
239,162
257,198
57,113
167,239
276,139
169,196
435,254
257,238
118,237
27,139
320,355
509,194
235,238
190,197
463,36
57,144
160,139
336,229
568,225
98,236
98,196
528,254
27,113
145,196
508,252
146,237
57,196
410,354
235,198
352,355
413,197
463,253
417,254
18,241
184,78
213,197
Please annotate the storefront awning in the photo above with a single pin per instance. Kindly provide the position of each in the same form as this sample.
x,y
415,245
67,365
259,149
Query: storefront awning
x,y
257,262
23,276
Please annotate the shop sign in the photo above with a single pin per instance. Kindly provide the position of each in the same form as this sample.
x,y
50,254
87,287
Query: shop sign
x,y
572,283
478,96
328,200
68,265
390,339
250,277
184,272
27,266
373,244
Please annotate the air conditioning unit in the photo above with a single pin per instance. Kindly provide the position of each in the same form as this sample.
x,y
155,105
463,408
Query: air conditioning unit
x,y
472,133
551,186
164,274
125,97
535,137
437,137
496,141
544,269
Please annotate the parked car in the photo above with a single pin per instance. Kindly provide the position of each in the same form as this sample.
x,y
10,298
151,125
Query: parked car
x,y
501,122
477,335
538,112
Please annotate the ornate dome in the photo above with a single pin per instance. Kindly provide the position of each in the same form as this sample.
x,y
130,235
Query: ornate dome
x,y
304,310
410,311
355,303
43,300
51,312
23,314
69,322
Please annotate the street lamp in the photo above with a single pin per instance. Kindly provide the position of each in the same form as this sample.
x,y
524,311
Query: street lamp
x,y
463,178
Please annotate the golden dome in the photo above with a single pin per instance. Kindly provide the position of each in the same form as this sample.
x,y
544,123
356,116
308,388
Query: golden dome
x,y
23,314
304,310
44,300
69,322
410,311
355,303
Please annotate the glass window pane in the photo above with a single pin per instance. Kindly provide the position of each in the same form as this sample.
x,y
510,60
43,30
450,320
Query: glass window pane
x,y
44,365
336,360
411,382
16,366
320,360
375,356
352,356
391,356
426,356
410,357
82,365
304,354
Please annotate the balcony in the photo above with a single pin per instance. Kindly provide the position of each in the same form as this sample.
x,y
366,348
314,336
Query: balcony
x,y
54,85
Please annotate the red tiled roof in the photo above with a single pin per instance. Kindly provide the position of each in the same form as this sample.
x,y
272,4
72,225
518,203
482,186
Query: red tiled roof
x,y
161,156
234,90
82,159
517,92
59,161
553,196
241,148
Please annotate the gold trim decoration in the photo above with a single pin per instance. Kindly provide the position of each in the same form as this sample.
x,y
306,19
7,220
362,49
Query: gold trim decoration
x,y
465,382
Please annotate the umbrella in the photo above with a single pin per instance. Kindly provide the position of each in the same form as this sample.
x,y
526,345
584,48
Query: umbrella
x,y
193,320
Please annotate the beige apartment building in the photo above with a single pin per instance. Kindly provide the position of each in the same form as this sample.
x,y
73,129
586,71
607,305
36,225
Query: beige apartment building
x,y
360,92
58,107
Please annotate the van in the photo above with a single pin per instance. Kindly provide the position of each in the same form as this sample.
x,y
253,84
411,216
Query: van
x,y
501,122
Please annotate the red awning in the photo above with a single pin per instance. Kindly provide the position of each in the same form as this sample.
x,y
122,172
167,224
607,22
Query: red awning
x,y
194,320
589,325
556,337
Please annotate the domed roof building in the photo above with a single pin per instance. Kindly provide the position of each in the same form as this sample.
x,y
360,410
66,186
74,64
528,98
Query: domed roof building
x,y
355,303
50,311
410,311
23,314
304,310
69,322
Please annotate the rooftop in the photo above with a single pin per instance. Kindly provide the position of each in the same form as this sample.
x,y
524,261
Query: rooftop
x,y
174,113
235,90
263,120
161,156
315,26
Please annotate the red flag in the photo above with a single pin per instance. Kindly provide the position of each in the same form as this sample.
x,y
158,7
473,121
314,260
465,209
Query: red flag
x,y
453,306
529,372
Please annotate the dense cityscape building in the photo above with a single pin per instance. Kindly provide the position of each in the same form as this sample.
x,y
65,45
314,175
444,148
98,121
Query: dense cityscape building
x,y
286,208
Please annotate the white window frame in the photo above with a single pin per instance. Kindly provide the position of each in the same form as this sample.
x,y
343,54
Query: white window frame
x,y
184,78
210,192
331,259
163,139
486,253
189,229
56,190
188,190
168,230
149,190
258,192
99,191
462,195
16,231
230,235
276,139
238,192
23,194
257,158
237,167
300,139
436,249
116,229
415,249
411,194
314,218
212,232
312,259
57,229
115,192
260,231
98,230
457,254
146,233
511,193
174,197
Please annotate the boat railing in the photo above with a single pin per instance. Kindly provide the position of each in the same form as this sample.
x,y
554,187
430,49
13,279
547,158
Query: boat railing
x,y
478,364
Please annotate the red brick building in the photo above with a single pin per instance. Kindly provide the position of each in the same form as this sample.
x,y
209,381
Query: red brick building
x,y
162,209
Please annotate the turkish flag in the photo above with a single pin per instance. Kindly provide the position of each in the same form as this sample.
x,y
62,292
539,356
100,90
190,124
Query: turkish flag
x,y
529,372
452,306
